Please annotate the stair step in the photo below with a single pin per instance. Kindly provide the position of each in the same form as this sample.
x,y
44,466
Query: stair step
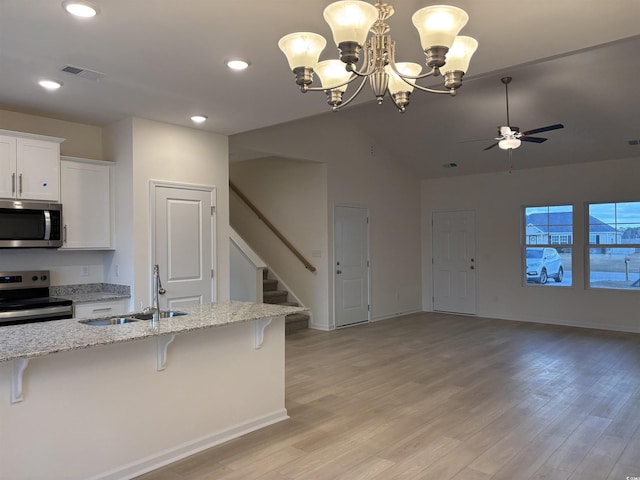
x,y
289,304
269,285
295,322
275,296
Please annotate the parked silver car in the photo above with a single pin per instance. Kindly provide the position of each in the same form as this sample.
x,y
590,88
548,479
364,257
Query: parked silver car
x,y
543,263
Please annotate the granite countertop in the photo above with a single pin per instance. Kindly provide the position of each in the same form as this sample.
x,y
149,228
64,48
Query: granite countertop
x,y
91,292
44,338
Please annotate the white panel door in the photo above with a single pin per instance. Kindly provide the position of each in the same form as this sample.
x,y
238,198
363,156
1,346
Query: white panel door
x,y
184,245
454,262
352,265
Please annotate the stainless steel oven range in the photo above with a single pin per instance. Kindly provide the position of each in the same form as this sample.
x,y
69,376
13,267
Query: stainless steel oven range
x,y
24,298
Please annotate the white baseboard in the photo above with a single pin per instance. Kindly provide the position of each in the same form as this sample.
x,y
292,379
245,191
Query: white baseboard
x,y
398,314
153,462
318,326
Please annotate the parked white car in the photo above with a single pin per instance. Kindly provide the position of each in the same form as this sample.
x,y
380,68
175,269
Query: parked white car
x,y
543,263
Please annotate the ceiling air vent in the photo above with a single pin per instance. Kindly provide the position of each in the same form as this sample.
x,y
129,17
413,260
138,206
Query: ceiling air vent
x,y
82,72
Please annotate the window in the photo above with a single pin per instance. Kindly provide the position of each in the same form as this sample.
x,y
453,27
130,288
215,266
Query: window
x,y
614,245
547,245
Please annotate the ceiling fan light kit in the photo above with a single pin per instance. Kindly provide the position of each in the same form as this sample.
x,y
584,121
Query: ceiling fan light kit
x,y
351,21
509,143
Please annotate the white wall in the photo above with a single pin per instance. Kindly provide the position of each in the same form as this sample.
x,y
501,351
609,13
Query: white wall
x,y
496,199
293,196
360,173
145,150
81,140
118,144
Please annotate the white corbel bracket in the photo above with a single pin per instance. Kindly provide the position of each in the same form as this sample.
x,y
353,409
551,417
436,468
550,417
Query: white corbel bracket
x,y
260,325
17,370
162,345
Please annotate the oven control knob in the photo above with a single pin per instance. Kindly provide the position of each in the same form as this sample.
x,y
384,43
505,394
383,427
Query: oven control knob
x,y
34,278
43,278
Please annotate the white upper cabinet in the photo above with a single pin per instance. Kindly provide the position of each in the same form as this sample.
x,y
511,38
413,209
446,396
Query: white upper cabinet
x,y
87,204
29,166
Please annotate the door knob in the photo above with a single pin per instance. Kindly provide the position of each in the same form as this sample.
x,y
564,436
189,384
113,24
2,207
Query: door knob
x,y
339,272
472,267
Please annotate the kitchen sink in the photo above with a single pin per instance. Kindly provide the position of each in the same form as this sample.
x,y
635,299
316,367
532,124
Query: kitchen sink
x,y
163,314
108,321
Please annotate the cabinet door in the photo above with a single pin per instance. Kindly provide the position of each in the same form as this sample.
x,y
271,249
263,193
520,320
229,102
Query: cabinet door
x,y
7,166
38,168
86,205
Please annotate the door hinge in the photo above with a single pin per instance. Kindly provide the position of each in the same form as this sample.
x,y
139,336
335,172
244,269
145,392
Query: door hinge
x,y
367,263
368,308
213,209
367,220
213,273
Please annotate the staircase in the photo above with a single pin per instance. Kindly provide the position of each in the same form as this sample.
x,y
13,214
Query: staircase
x,y
270,294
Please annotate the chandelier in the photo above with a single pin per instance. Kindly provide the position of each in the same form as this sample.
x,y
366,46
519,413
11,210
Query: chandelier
x,y
351,21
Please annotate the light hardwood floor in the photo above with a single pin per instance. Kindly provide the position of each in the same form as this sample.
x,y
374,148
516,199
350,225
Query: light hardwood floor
x,y
443,397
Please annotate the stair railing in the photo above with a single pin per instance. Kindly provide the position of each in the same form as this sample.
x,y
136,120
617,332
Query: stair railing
x,y
277,233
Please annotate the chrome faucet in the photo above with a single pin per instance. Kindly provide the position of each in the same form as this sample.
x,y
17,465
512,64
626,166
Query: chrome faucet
x,y
157,291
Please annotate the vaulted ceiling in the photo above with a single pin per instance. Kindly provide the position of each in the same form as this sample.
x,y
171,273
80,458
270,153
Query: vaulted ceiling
x,y
572,63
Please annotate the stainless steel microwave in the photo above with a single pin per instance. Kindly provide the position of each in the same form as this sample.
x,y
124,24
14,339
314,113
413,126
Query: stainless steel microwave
x,y
30,224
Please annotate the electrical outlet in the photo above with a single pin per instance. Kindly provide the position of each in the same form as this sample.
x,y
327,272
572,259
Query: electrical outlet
x,y
85,270
117,270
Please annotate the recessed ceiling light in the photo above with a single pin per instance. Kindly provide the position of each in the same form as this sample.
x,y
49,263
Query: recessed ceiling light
x,y
237,64
199,118
80,8
50,84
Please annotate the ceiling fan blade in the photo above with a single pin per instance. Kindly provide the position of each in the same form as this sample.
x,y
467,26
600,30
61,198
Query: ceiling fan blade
x,y
533,139
544,129
490,147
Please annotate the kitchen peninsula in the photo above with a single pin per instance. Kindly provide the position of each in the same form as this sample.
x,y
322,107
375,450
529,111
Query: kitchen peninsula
x,y
119,400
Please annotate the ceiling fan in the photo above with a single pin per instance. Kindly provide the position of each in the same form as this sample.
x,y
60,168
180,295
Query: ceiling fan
x,y
510,137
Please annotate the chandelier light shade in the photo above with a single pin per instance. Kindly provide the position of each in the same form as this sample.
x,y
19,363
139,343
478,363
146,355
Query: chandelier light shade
x,y
350,22
438,25
397,84
333,75
334,79
360,29
302,49
458,59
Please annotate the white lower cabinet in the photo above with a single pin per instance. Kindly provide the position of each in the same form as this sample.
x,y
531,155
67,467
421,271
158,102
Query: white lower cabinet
x,y
87,204
105,308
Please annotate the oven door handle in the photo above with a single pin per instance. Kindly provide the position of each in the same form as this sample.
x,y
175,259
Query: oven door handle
x,y
35,312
